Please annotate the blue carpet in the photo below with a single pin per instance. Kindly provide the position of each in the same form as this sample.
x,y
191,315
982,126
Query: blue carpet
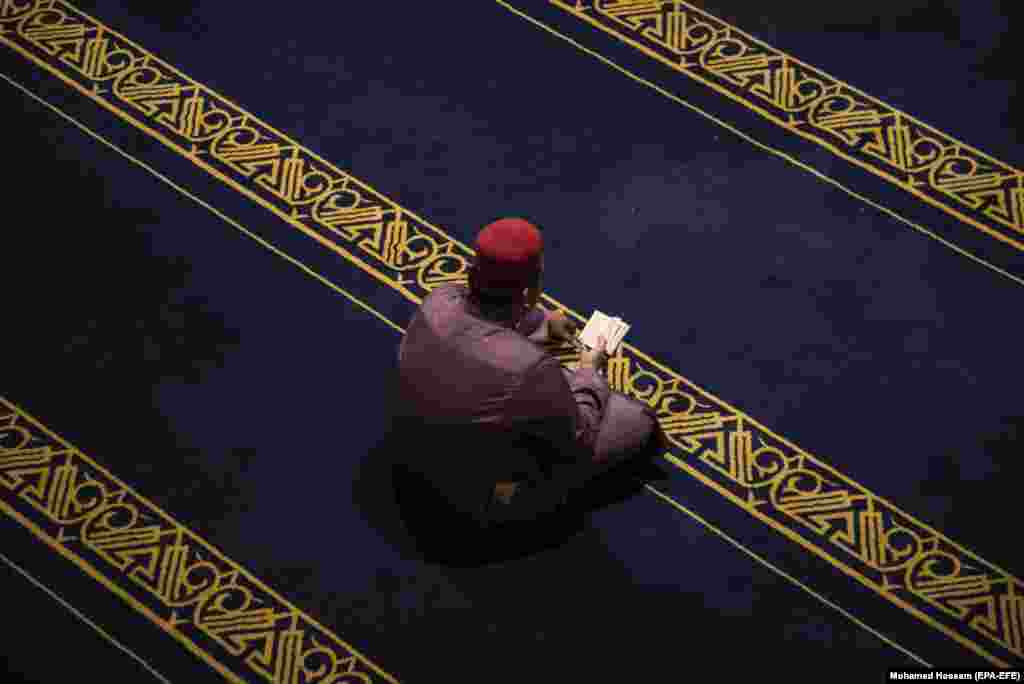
x,y
250,402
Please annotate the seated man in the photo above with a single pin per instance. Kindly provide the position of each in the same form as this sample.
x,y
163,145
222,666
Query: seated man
x,y
493,422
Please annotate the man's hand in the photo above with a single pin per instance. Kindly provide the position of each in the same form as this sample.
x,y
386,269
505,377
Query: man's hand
x,y
560,327
596,358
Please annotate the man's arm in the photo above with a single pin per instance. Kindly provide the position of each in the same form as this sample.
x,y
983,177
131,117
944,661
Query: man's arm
x,y
564,409
561,414
535,325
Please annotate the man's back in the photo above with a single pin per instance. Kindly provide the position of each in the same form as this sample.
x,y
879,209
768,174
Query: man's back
x,y
455,366
472,398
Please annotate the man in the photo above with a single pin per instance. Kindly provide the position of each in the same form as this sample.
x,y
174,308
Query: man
x,y
497,426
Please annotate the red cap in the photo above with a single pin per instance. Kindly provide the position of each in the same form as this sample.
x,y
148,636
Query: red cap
x,y
508,255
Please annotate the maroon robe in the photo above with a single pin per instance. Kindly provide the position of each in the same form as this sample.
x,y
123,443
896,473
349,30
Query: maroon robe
x,y
458,369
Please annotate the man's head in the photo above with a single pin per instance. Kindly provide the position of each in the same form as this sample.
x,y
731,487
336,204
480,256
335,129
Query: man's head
x,y
505,278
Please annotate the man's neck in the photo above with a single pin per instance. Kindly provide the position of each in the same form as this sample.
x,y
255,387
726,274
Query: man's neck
x,y
504,319
507,317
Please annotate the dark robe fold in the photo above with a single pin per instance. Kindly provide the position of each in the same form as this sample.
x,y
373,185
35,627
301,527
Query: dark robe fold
x,y
479,403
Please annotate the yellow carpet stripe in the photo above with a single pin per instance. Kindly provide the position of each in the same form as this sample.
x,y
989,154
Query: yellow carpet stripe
x,y
440,258
796,162
614,18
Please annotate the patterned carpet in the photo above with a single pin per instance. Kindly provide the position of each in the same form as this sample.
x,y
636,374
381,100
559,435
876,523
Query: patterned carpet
x,y
221,218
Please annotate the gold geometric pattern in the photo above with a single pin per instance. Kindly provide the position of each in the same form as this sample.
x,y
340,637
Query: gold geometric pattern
x,y
934,167
908,563
901,558
186,586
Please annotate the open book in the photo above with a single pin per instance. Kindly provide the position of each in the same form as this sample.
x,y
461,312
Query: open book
x,y
600,325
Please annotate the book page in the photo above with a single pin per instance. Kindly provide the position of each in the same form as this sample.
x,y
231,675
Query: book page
x,y
601,325
596,327
617,336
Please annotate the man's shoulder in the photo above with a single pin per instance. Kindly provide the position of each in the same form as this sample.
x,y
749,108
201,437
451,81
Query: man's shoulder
x,y
447,292
506,348
444,298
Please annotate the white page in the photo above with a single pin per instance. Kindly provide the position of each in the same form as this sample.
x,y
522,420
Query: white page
x,y
617,334
601,325
596,327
